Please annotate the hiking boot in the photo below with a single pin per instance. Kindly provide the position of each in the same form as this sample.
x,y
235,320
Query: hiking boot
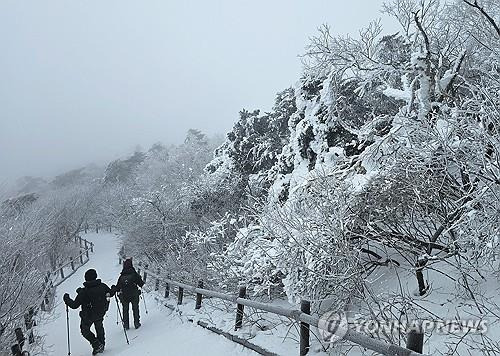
x,y
98,349
137,325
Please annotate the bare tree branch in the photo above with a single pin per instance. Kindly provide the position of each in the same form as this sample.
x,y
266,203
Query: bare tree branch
x,y
490,19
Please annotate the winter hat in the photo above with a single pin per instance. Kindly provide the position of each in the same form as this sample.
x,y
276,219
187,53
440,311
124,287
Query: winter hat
x,y
127,263
90,275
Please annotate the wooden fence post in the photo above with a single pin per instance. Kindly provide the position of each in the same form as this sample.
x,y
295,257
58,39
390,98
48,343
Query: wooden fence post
x,y
20,336
31,337
49,282
16,350
92,247
415,341
180,295
80,241
242,293
305,307
86,250
28,322
72,263
81,258
199,296
157,284
167,290
45,301
96,228
62,270
145,278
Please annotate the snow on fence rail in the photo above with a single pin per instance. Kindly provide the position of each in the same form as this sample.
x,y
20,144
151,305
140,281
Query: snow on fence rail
x,y
414,342
51,280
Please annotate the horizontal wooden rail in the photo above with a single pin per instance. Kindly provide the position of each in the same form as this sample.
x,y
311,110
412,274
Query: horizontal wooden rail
x,y
84,251
73,271
358,338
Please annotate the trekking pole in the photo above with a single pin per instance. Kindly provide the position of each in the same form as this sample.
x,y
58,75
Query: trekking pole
x,y
117,317
121,318
67,327
144,301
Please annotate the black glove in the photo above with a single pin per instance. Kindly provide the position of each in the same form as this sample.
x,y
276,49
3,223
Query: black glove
x,y
66,298
140,291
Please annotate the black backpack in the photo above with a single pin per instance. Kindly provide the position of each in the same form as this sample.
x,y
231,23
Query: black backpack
x,y
94,309
129,284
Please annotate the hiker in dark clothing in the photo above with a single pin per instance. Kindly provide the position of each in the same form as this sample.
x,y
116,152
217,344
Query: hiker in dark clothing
x,y
128,292
93,298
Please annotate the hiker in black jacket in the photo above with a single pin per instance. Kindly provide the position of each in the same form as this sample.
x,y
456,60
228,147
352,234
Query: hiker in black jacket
x,y
93,298
127,290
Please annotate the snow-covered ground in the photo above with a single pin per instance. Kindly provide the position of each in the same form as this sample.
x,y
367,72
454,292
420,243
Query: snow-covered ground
x,y
162,331
168,332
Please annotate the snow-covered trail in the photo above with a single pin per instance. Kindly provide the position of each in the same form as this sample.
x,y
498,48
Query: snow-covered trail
x,y
162,333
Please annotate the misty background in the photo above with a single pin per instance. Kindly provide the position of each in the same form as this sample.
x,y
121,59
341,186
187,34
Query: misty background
x,y
88,81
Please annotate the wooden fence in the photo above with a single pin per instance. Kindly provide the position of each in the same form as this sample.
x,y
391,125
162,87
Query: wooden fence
x,y
302,316
51,280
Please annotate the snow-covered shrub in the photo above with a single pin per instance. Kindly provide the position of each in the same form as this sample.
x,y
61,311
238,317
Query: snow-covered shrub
x,y
252,257
300,248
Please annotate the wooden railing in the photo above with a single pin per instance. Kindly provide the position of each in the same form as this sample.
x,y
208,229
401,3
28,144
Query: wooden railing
x,y
302,316
51,280
82,258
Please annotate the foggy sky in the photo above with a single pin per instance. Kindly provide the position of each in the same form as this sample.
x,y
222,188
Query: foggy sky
x,y
84,81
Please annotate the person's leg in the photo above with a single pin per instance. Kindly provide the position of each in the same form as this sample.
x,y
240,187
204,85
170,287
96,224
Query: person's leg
x,y
99,329
135,310
125,304
86,333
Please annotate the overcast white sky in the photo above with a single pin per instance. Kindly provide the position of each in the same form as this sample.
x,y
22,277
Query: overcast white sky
x,y
84,81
